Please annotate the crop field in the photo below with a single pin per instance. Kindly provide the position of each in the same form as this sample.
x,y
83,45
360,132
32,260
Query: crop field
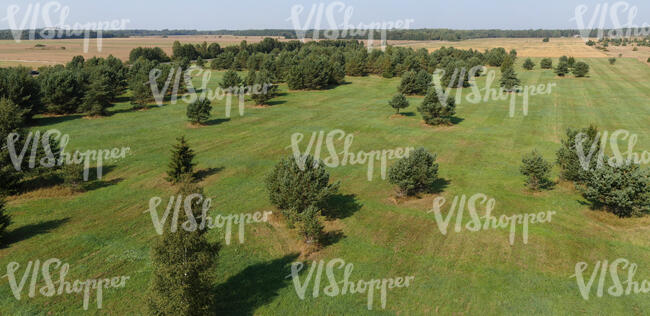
x,y
106,232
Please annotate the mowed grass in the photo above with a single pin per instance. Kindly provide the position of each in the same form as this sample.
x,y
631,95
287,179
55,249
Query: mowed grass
x,y
104,232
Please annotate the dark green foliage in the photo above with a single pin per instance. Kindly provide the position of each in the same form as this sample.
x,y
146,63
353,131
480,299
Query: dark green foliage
x,y
18,85
546,63
99,93
509,80
181,163
356,62
5,220
62,89
139,85
398,102
414,174
568,158
508,62
612,61
77,62
434,112
546,40
230,80
529,64
315,72
311,227
183,266
294,186
263,88
12,120
149,53
580,69
622,190
200,62
72,175
199,111
496,56
181,51
562,69
223,61
415,83
571,62
537,171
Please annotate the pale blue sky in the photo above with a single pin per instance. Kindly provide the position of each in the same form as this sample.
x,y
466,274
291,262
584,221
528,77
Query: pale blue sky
x,y
249,14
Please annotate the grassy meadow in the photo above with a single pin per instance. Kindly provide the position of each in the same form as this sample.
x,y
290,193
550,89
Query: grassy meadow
x,y
104,232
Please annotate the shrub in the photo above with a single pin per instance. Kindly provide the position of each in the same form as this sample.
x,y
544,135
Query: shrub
x,y
546,63
5,220
537,171
72,175
612,61
199,111
571,62
509,80
434,112
398,102
181,163
624,190
562,69
415,173
200,62
529,64
546,40
297,183
311,227
568,158
580,69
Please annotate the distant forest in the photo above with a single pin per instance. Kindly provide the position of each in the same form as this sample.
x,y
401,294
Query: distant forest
x,y
406,34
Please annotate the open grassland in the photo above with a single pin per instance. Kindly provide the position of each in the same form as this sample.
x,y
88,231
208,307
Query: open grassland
x,y
104,232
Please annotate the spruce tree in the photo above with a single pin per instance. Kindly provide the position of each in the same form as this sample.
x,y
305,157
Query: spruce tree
x,y
183,262
199,111
415,173
580,69
311,227
398,102
562,69
231,80
181,164
509,80
537,171
546,63
263,84
5,220
434,112
99,94
576,166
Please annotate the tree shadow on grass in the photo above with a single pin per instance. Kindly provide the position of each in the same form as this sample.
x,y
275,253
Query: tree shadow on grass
x,y
204,173
456,120
216,121
31,230
98,184
51,120
341,206
439,185
332,237
255,286
276,102
409,114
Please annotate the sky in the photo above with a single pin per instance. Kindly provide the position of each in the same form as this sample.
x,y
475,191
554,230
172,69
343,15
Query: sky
x,y
275,14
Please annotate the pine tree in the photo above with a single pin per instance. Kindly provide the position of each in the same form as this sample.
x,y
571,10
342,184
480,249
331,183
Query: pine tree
x,y
562,69
183,262
199,111
200,62
5,220
398,102
574,167
99,94
310,225
546,63
231,80
580,69
415,173
529,64
509,80
537,171
434,112
263,84
181,164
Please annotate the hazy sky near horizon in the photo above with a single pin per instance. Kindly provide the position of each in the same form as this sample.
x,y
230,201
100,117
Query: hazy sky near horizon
x,y
275,14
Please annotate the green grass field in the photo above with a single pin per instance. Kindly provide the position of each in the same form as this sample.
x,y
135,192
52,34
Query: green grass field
x,y
105,232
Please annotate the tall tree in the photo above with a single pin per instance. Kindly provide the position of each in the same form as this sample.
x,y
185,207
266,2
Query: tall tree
x,y
181,163
509,80
5,220
183,263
